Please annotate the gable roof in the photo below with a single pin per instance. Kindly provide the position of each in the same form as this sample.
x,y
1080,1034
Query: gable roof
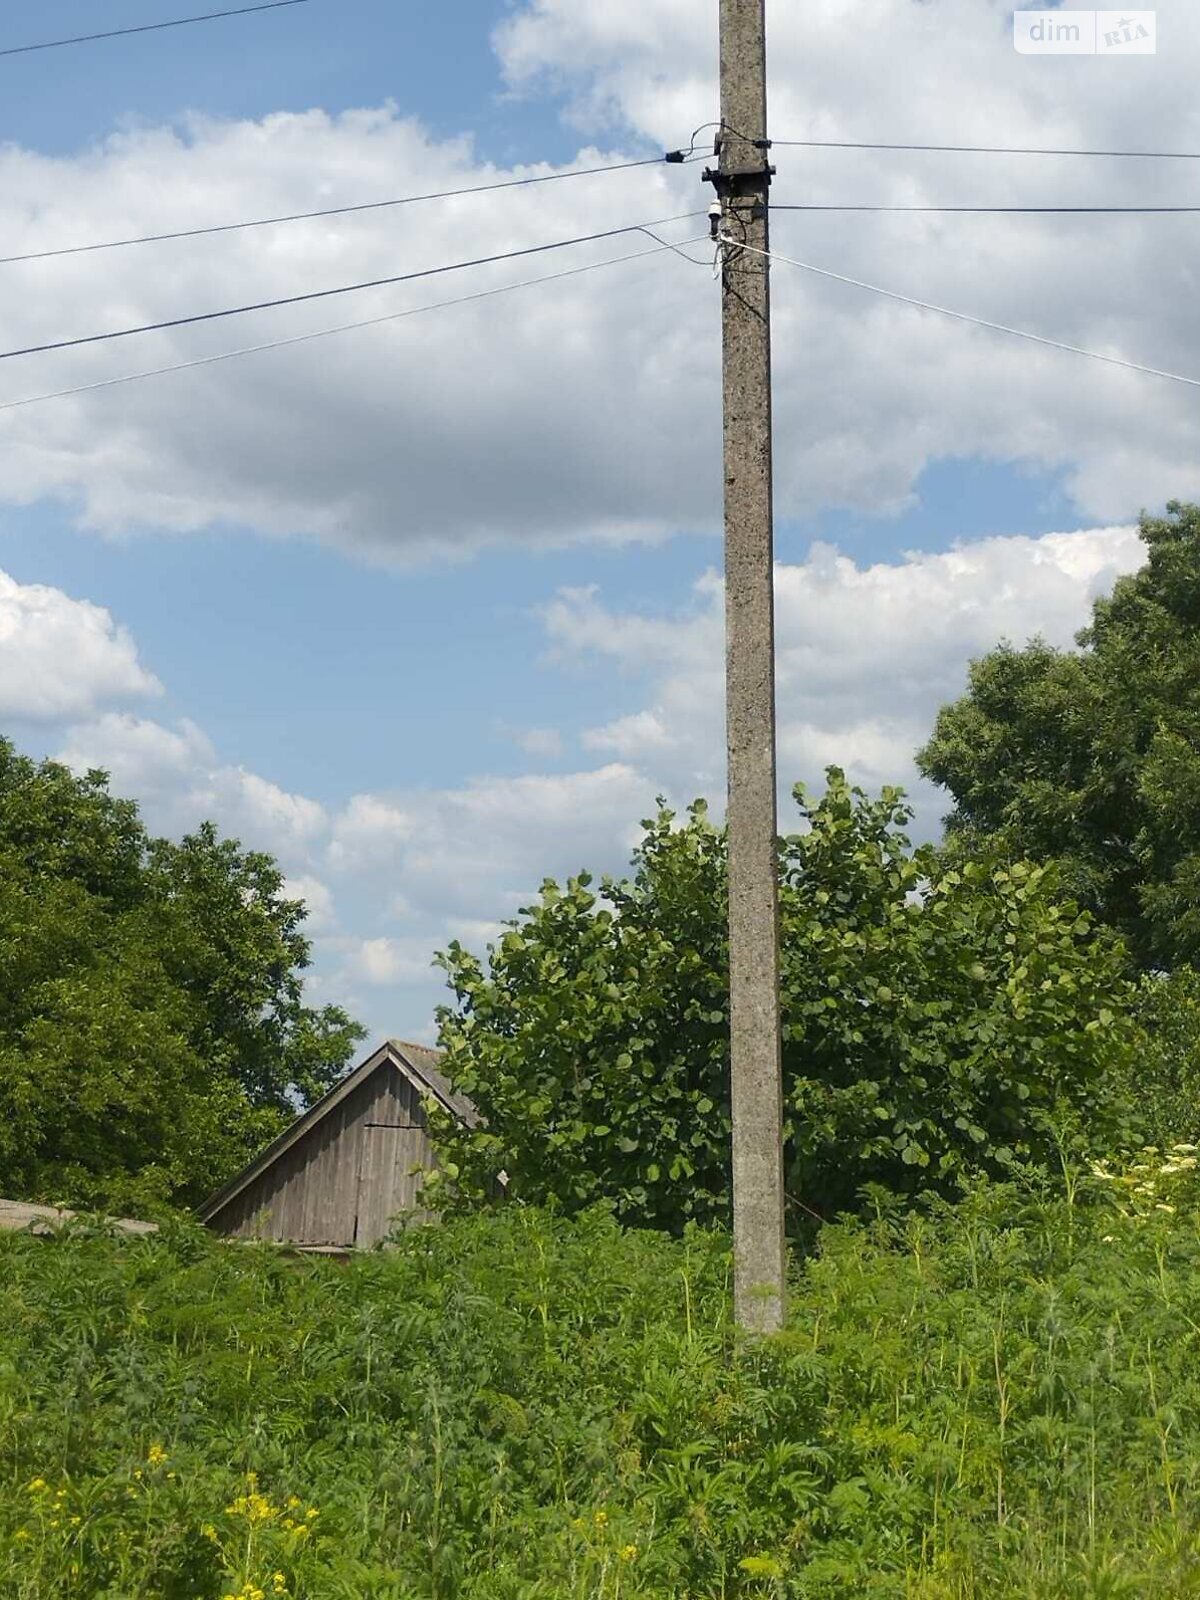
x,y
416,1062
426,1064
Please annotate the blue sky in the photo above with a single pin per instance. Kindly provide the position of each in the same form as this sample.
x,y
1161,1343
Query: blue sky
x,y
414,643
436,61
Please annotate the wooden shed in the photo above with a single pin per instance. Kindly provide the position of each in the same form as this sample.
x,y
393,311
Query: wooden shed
x,y
354,1161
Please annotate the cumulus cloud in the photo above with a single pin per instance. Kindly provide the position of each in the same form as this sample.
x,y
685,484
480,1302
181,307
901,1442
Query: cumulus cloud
x,y
388,878
62,658
369,832
589,409
176,774
385,963
866,655
433,433
318,902
488,844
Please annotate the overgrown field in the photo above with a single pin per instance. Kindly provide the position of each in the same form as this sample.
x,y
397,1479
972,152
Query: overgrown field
x,y
999,1400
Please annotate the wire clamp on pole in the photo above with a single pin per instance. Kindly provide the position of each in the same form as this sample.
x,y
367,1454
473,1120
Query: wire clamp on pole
x,y
738,181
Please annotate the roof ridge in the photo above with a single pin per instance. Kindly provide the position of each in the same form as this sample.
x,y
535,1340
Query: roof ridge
x,y
411,1044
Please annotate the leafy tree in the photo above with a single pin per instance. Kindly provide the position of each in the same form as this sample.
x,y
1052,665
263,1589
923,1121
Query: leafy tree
x,y
153,1029
937,1022
1091,757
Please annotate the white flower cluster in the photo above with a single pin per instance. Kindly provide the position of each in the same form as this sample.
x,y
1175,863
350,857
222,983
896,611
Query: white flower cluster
x,y
1158,1182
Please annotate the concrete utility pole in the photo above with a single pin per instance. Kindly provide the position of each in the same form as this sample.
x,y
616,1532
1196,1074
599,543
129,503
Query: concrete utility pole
x,y
742,182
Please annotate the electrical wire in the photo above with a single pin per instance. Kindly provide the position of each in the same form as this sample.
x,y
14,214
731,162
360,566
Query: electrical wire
x,y
348,288
987,149
703,128
1012,210
963,316
348,327
150,27
329,211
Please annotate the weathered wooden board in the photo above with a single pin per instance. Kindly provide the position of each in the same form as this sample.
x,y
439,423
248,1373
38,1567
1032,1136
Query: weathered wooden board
x,y
18,1214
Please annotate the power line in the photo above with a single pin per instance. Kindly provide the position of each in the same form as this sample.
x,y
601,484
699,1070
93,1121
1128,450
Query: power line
x,y
330,211
150,27
348,288
1052,211
963,316
988,149
345,327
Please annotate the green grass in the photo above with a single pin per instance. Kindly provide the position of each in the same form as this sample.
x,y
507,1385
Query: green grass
x,y
999,1401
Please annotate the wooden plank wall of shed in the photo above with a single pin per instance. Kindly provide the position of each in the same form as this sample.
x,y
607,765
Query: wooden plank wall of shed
x,y
387,1183
311,1194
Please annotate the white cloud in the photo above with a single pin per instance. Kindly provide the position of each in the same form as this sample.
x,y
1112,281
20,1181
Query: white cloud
x,y
176,774
866,655
384,963
476,932
642,734
589,409
62,658
369,832
488,844
318,902
435,433
388,879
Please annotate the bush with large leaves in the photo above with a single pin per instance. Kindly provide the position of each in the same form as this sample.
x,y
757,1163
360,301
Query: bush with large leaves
x,y
936,1023
153,1030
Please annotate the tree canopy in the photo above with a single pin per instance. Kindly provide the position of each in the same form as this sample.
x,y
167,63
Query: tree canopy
x,y
153,1029
1091,757
938,1021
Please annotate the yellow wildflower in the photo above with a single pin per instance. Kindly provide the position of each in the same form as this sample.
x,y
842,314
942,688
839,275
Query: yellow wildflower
x,y
156,1455
254,1507
21,1535
279,1581
207,1531
38,1486
600,1518
629,1552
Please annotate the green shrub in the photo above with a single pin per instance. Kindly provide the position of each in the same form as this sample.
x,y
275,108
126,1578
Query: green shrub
x,y
937,1023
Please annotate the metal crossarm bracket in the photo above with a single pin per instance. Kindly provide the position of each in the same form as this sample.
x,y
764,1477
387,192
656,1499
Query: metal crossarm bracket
x,y
741,180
